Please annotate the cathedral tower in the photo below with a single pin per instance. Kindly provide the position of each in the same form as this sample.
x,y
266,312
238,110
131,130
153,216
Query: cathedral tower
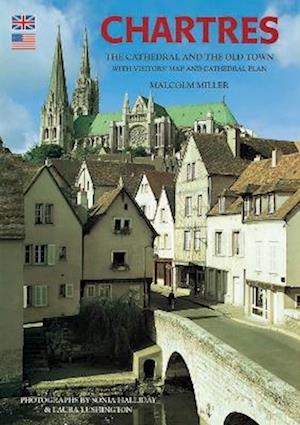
x,y
57,115
86,94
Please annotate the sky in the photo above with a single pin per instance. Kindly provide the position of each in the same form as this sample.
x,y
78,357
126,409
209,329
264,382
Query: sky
x,y
267,103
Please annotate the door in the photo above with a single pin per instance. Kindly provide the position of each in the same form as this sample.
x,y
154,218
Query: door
x,y
238,291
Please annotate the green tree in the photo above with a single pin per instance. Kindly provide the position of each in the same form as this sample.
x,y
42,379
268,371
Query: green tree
x,y
118,323
83,152
38,154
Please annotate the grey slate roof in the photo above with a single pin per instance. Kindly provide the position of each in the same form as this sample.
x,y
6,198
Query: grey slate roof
x,y
217,156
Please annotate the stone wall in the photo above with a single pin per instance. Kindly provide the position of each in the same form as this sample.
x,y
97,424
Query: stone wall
x,y
225,381
11,373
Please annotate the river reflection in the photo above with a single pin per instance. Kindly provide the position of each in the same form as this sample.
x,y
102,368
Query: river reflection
x,y
174,409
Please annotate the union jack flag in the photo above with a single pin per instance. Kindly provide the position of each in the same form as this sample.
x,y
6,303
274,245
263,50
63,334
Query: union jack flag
x,y
23,22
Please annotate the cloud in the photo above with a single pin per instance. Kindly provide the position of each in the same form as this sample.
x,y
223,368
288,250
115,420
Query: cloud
x,y
18,127
287,48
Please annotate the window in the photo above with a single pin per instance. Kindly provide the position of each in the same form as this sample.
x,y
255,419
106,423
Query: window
x,y
27,296
218,243
119,259
117,226
91,291
144,187
259,302
297,300
62,253
39,295
40,253
162,215
43,213
187,240
193,171
221,204
66,290
271,203
258,256
236,248
122,225
165,241
257,207
39,213
105,291
188,172
247,206
199,204
197,240
188,206
28,254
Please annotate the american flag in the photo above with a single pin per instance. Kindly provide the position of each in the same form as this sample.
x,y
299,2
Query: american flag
x,y
23,22
23,41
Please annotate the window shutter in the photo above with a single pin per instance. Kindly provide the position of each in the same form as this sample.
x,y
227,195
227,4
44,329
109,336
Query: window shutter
x,y
242,244
44,295
69,290
25,296
51,253
36,296
229,244
223,243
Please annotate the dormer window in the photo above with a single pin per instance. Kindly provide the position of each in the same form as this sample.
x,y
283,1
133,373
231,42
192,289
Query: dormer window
x,y
247,206
257,207
222,204
271,203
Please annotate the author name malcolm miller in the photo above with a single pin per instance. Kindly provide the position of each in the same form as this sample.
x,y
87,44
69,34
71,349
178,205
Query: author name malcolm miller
x,y
179,84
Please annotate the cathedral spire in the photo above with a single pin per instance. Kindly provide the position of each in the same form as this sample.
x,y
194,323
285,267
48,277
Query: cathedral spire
x,y
86,94
57,115
85,69
58,87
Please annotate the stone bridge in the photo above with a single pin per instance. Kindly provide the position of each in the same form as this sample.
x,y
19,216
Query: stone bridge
x,y
229,388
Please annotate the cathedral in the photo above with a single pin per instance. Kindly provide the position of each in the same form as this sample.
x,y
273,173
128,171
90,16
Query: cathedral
x,y
157,129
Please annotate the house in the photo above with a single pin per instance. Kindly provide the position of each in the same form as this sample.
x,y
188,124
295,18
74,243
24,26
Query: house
x,y
271,213
12,233
210,163
97,177
118,249
164,224
208,166
149,190
261,221
225,262
53,247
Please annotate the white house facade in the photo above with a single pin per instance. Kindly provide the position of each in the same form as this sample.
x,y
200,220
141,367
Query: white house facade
x,y
226,268
164,224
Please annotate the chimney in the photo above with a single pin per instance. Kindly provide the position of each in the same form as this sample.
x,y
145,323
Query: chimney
x,y
82,199
276,155
210,123
233,140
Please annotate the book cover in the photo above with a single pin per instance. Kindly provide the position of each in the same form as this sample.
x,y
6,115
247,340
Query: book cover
x,y
149,212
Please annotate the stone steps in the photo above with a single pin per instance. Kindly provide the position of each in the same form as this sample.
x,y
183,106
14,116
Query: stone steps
x,y
35,354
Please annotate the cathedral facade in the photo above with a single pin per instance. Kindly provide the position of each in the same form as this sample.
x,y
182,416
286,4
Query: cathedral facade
x,y
157,129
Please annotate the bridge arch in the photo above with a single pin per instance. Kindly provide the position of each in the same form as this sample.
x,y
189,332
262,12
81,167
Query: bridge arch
x,y
228,387
237,418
